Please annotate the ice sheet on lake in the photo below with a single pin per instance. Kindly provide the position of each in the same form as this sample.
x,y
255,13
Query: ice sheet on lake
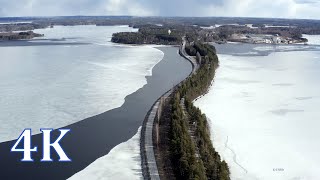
x,y
281,48
123,162
54,86
99,35
262,128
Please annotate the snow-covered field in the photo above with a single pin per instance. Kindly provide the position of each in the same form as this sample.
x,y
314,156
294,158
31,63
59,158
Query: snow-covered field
x,y
264,115
123,162
56,85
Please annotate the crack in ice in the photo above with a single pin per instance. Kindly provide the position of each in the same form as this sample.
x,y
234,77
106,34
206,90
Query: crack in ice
x,y
235,156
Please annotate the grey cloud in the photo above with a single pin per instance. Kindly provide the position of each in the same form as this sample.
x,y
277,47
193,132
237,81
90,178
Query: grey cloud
x,y
180,7
100,7
306,1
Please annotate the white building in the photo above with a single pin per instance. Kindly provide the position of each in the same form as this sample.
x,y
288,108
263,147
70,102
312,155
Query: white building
x,y
276,40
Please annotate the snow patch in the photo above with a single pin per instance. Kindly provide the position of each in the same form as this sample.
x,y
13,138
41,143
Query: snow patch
x,y
122,162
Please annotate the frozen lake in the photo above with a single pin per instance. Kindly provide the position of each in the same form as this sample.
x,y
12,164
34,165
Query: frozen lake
x,y
57,85
264,115
75,78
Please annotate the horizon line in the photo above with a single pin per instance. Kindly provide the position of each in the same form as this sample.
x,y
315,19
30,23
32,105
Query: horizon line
x,y
242,17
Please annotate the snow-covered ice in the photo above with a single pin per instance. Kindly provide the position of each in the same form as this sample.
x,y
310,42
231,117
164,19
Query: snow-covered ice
x,y
264,115
281,48
52,86
123,162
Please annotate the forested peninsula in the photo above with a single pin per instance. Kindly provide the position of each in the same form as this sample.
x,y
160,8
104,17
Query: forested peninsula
x,y
183,147
192,153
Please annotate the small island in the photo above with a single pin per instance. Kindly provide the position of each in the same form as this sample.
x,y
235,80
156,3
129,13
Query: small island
x,y
149,34
8,36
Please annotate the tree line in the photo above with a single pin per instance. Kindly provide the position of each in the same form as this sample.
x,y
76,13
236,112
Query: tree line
x,y
186,164
149,34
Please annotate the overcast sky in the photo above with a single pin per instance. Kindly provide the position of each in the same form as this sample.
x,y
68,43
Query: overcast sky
x,y
243,8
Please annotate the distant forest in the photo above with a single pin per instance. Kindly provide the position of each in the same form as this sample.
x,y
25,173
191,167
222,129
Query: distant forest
x,y
155,30
150,34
